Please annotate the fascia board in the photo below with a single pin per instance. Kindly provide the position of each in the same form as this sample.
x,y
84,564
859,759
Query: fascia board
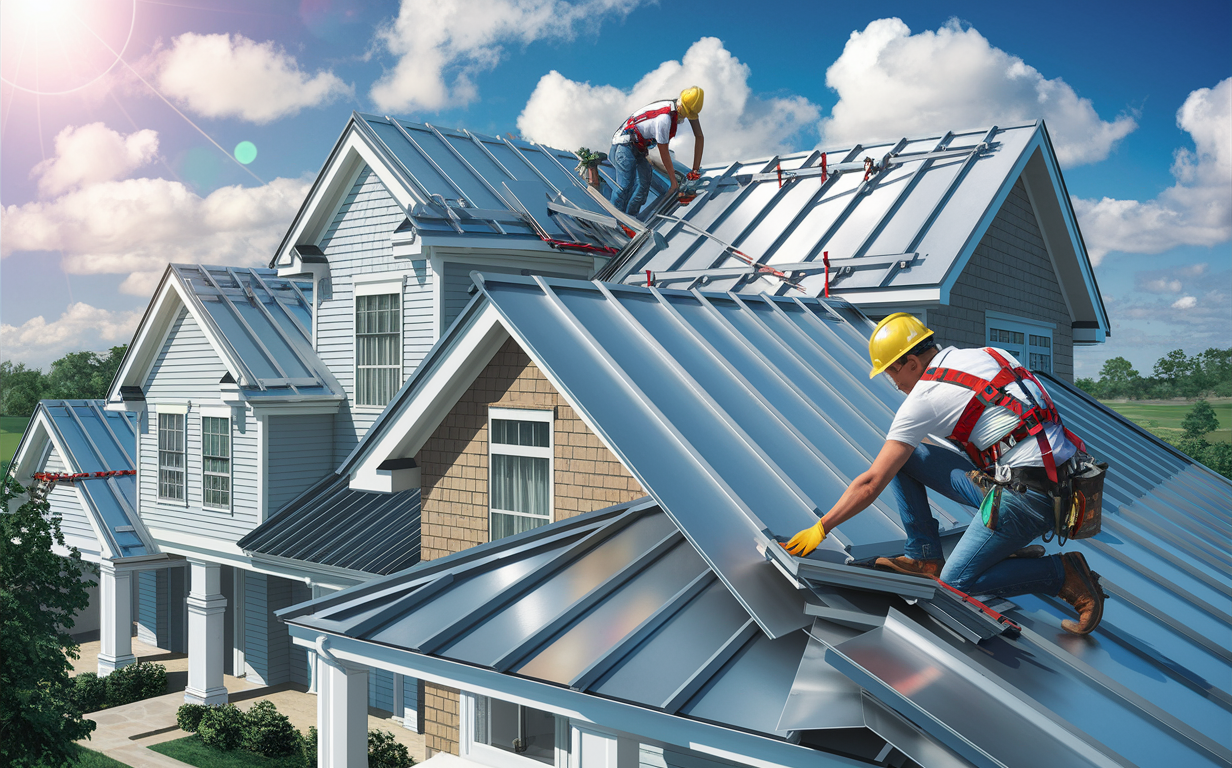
x,y
33,441
879,298
308,572
990,213
444,384
302,405
195,546
355,148
138,358
1072,233
500,254
727,743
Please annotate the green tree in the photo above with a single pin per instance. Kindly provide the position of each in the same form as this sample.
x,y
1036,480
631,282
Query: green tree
x,y
40,592
1213,370
83,375
1200,420
20,388
1118,378
1090,386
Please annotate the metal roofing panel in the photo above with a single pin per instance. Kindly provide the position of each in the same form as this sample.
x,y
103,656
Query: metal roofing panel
x,y
331,524
264,323
929,198
96,440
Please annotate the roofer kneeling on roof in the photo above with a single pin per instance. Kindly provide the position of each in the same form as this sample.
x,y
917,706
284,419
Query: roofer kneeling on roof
x,y
1034,478
653,125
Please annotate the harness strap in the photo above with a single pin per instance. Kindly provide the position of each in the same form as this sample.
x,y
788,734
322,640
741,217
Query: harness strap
x,y
631,125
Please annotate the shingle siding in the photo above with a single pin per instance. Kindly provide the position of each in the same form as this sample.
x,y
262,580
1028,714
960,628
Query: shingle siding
x,y
187,371
358,243
1009,272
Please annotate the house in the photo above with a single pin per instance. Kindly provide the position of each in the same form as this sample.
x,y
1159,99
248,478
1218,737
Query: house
x,y
972,231
673,630
247,386
92,452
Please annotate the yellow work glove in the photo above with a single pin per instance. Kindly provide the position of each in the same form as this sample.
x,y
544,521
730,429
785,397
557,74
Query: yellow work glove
x,y
806,541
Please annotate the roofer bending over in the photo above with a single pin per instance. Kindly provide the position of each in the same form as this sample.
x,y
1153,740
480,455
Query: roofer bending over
x,y
993,408
653,125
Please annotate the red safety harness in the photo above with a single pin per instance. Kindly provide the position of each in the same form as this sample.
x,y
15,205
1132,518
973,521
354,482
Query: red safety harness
x,y
631,125
1032,419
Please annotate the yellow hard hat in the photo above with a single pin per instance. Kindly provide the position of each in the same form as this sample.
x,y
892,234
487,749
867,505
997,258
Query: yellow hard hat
x,y
894,337
691,102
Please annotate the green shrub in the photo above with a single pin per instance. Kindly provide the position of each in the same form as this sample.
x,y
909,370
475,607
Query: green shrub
x,y
268,732
90,691
385,752
222,727
136,682
308,746
188,717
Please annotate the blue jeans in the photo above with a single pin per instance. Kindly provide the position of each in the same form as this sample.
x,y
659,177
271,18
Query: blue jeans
x,y
978,565
632,178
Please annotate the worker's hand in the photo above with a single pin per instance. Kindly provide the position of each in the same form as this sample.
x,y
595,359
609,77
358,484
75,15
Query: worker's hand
x,y
806,541
693,176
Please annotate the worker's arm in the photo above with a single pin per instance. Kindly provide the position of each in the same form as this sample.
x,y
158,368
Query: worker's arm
x,y
858,496
699,143
669,169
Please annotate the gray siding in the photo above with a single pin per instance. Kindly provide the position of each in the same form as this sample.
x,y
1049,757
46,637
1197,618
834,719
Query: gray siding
x,y
269,656
187,371
381,689
67,504
1009,272
358,243
650,756
299,663
456,285
151,608
300,453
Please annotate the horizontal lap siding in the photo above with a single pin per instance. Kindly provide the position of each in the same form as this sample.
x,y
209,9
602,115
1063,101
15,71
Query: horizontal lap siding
x,y
66,503
358,243
300,453
381,689
256,627
268,651
187,372
300,666
455,292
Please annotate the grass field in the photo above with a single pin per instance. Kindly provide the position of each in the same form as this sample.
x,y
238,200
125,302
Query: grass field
x,y
190,750
11,429
1164,419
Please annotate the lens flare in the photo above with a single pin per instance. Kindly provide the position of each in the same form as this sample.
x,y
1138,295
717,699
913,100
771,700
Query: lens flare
x,y
245,152
55,47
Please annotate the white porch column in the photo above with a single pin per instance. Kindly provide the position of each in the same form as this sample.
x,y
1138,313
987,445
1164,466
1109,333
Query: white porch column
x,y
206,606
115,618
342,715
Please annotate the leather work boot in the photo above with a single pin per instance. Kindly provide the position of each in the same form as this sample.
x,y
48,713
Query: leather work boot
x,y
1082,591
929,569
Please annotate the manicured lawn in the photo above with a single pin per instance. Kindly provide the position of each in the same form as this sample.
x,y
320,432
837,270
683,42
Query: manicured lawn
x,y
1164,419
11,429
88,758
190,750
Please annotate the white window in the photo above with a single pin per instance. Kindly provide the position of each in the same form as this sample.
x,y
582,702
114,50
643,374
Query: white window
x,y
503,734
520,470
216,462
171,456
1030,341
378,347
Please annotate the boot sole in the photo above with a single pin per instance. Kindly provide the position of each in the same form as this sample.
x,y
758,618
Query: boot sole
x,y
894,568
1090,580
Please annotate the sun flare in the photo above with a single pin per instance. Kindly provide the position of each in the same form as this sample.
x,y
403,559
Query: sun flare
x,y
53,47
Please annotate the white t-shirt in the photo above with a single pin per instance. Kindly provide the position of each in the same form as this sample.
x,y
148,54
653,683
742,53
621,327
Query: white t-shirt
x,y
655,130
934,407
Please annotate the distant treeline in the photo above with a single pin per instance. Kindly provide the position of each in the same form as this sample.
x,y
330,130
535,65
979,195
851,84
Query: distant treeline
x,y
1206,374
76,376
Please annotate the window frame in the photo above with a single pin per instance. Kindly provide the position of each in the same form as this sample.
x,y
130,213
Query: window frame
x,y
382,285
230,475
1031,330
523,414
180,413
495,757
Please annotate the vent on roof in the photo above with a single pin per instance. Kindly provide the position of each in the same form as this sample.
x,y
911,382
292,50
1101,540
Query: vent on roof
x,y
227,378
131,393
394,464
309,254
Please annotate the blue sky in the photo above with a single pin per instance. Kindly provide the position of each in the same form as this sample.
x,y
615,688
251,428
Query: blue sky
x,y
105,183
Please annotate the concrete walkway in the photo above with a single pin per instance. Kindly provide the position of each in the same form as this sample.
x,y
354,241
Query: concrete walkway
x,y
123,733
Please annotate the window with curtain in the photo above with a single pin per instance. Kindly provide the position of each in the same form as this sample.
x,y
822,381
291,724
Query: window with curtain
x,y
216,462
171,456
378,348
520,467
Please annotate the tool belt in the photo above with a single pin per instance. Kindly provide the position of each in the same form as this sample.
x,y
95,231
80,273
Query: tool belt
x,y
1077,496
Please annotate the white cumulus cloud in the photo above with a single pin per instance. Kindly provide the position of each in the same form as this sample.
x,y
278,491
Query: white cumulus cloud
x,y
1196,210
135,227
892,83
441,45
37,342
565,113
233,76
93,153
1185,302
